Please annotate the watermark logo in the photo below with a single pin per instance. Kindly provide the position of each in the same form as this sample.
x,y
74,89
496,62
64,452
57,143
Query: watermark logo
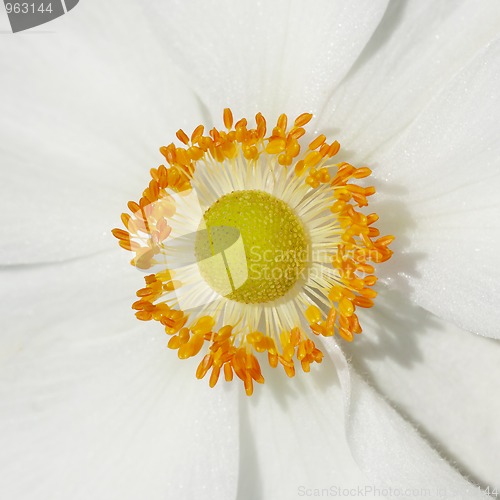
x,y
26,15
216,255
207,263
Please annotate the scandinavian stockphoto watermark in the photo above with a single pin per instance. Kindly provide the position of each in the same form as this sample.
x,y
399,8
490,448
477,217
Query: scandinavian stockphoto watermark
x,y
219,256
372,491
26,15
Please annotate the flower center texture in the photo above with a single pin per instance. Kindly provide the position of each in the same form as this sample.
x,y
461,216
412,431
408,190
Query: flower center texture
x,y
273,239
258,245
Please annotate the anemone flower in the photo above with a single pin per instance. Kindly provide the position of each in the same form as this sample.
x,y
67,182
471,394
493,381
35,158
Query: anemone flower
x,y
94,404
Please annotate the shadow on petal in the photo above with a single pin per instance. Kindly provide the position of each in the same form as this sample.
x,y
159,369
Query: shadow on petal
x,y
381,36
249,479
395,331
391,330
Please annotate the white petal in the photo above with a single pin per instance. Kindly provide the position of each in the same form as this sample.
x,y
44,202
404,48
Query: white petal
x,y
272,57
417,48
83,115
93,407
389,449
442,379
438,191
4,22
293,434
39,297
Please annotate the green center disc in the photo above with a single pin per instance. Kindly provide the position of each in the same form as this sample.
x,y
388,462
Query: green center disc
x,y
251,247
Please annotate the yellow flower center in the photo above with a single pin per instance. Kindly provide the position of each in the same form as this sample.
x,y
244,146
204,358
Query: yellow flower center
x,y
273,240
311,236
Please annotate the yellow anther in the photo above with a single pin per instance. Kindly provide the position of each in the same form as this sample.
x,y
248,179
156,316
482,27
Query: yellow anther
x,y
228,118
312,159
330,322
324,175
275,146
346,307
191,348
197,133
224,333
302,119
228,372
300,167
182,136
174,342
319,141
121,234
313,314
333,149
203,325
184,335
204,366
335,294
282,122
292,147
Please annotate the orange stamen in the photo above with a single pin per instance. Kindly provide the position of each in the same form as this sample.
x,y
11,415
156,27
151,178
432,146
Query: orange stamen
x,y
231,348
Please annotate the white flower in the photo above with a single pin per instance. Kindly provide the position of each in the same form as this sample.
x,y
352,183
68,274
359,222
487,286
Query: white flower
x,y
94,406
